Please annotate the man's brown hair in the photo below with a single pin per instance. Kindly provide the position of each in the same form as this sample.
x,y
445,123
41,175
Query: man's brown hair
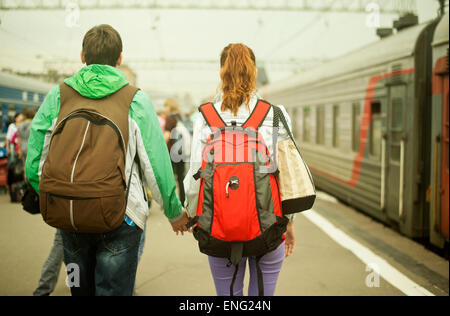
x,y
102,45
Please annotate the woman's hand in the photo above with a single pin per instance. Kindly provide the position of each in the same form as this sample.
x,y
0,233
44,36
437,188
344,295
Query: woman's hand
x,y
290,239
180,225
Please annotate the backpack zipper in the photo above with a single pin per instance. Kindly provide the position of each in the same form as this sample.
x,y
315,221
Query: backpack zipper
x,y
73,173
95,113
79,151
71,199
116,127
65,197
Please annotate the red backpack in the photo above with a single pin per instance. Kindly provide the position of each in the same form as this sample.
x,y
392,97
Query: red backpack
x,y
239,208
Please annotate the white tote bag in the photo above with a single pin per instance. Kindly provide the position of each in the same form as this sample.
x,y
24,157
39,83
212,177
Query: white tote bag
x,y
297,188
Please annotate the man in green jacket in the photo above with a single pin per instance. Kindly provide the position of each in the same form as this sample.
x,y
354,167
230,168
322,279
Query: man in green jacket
x,y
107,263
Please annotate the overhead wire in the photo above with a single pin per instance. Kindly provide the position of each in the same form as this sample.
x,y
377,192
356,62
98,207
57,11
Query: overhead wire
x,y
297,34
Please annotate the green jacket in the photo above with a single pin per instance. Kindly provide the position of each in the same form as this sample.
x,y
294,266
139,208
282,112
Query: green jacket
x,y
146,139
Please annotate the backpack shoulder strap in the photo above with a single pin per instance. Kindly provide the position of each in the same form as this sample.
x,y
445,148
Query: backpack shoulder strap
x,y
122,96
126,94
258,114
65,93
211,116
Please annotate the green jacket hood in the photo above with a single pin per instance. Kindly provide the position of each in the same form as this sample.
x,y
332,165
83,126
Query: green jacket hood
x,y
97,81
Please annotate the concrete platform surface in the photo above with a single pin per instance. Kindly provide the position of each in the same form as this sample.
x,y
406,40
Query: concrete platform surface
x,y
326,262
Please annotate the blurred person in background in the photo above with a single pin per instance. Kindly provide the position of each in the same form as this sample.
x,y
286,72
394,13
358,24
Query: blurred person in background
x,y
188,123
171,117
161,118
51,268
11,152
12,129
52,265
15,165
23,132
178,141
20,139
192,118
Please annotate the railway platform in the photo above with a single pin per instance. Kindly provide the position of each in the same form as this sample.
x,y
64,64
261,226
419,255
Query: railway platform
x,y
339,251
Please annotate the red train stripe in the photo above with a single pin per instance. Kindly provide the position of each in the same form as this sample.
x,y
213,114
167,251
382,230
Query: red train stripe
x,y
364,128
439,69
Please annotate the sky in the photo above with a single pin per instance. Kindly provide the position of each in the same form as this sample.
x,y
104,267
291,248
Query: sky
x,y
36,40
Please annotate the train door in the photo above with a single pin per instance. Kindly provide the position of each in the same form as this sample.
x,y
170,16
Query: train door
x,y
445,158
395,151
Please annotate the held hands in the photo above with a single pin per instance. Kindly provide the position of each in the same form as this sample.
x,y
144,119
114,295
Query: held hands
x,y
180,225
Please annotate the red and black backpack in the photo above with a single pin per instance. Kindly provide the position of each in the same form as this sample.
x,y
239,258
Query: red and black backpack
x,y
239,208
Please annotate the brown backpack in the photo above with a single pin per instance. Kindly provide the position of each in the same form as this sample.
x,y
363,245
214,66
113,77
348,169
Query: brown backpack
x,y
83,186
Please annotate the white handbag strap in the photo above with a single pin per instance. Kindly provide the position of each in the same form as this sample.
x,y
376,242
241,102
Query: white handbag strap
x,y
277,116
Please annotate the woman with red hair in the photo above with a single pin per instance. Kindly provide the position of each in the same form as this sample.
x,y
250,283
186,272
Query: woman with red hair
x,y
234,104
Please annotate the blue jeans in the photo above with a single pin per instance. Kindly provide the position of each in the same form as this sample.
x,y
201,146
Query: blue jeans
x,y
141,250
106,262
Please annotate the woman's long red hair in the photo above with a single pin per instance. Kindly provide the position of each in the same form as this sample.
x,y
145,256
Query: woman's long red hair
x,y
238,74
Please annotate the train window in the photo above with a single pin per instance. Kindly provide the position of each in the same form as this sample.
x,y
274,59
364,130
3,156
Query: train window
x,y
397,114
395,153
306,123
376,129
320,125
336,126
356,123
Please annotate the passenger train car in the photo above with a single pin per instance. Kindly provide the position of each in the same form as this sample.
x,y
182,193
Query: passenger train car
x,y
367,124
438,194
19,93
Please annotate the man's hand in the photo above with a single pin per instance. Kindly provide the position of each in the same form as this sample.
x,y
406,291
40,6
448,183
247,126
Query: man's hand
x,y
180,225
290,240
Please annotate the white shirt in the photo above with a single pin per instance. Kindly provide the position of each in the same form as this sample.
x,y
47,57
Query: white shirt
x,y
12,129
202,132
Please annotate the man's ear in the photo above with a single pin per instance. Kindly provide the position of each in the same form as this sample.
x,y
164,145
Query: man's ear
x,y
119,60
83,61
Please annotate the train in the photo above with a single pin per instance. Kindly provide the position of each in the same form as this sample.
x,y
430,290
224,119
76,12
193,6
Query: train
x,y
372,126
18,93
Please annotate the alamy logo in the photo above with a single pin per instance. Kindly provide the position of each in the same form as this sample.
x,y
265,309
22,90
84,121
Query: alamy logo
x,y
373,16
73,275
180,150
72,14
373,278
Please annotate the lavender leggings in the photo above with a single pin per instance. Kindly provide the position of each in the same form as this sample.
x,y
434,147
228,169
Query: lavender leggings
x,y
270,265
